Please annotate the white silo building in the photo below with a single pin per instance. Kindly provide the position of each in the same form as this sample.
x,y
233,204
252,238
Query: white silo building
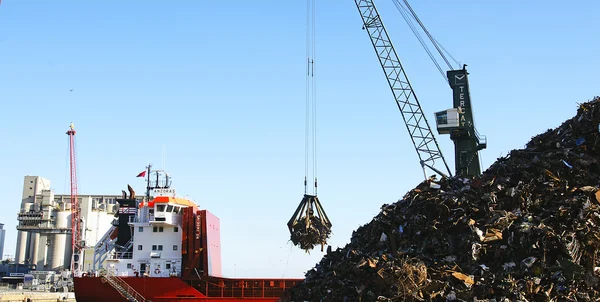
x,y
44,225
2,235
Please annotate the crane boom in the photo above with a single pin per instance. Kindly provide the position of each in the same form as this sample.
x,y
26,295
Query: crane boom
x,y
420,132
75,210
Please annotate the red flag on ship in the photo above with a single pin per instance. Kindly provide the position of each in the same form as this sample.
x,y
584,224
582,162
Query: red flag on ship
x,y
143,174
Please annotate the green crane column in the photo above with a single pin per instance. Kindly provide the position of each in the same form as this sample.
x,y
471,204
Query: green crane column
x,y
465,138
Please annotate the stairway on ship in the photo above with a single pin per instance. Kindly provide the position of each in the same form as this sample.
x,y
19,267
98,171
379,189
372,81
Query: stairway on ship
x,y
124,289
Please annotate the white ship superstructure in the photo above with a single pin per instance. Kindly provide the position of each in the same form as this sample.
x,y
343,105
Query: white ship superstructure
x,y
146,237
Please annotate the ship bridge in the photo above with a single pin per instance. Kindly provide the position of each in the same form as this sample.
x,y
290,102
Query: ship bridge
x,y
162,210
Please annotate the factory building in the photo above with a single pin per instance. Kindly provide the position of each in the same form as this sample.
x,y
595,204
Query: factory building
x,y
44,225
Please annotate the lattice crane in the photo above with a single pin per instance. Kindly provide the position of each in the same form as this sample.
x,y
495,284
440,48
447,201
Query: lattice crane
x,y
75,209
458,121
416,123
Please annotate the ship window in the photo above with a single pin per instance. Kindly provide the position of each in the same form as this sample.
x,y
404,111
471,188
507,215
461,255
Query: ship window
x,y
160,247
160,208
168,266
155,229
140,229
139,247
160,229
169,208
175,247
176,229
128,265
154,247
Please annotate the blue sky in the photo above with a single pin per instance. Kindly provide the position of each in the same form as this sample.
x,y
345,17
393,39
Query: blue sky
x,y
221,84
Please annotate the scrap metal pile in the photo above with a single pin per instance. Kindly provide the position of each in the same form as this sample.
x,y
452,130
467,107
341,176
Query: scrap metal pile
x,y
307,228
527,229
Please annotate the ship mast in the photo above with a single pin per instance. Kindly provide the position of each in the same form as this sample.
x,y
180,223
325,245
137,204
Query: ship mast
x,y
161,181
148,182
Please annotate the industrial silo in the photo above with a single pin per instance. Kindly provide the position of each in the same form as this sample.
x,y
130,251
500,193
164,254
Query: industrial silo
x,y
59,250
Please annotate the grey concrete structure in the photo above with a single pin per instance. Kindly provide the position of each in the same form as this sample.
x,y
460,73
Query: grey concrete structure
x,y
44,224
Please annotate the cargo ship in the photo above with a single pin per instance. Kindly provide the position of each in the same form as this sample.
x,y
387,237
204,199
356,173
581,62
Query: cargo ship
x,y
165,248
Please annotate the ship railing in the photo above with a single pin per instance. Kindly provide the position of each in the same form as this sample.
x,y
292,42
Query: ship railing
x,y
120,255
140,219
245,288
126,290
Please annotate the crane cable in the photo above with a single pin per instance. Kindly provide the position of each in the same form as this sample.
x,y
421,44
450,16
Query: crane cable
x,y
404,14
306,114
407,12
314,94
404,11
310,137
433,41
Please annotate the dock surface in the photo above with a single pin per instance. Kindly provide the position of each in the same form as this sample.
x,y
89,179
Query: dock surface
x,y
16,295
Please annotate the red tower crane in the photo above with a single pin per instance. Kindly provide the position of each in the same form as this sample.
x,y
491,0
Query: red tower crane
x,y
75,210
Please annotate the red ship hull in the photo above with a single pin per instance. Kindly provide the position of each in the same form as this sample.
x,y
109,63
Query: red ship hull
x,y
96,289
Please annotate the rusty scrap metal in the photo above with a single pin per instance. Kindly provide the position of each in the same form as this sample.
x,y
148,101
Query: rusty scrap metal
x,y
527,229
309,226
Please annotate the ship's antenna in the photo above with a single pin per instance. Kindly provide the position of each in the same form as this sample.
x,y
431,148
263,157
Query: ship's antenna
x,y
164,158
148,182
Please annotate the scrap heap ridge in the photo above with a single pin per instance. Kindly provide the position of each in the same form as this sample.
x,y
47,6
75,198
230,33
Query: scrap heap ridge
x,y
527,229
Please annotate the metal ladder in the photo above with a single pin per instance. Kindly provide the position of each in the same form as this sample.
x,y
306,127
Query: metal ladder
x,y
128,245
103,247
124,289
